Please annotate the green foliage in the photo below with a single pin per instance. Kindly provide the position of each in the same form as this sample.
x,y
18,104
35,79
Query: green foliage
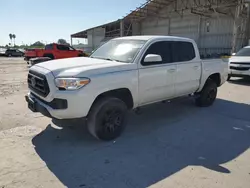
x,y
37,44
62,41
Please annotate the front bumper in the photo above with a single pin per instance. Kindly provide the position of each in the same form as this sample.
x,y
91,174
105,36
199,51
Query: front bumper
x,y
36,106
237,73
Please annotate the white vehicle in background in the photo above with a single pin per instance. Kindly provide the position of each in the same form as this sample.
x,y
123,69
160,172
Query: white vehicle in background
x,y
2,51
239,63
123,74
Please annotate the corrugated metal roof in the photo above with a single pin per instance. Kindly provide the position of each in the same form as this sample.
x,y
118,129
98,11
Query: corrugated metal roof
x,y
149,8
83,34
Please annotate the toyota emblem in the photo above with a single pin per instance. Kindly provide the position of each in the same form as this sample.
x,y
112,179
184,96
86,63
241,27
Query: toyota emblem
x,y
33,81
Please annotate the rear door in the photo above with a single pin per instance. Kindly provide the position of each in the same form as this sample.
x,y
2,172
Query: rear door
x,y
62,51
156,79
15,53
66,51
188,67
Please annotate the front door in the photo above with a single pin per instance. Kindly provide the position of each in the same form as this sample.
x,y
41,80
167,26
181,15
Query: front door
x,y
156,79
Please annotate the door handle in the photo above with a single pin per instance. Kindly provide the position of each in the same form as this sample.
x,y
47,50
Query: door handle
x,y
196,67
171,70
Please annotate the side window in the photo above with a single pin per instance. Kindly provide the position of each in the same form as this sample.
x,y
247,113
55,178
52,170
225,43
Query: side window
x,y
49,47
183,51
63,47
163,49
71,49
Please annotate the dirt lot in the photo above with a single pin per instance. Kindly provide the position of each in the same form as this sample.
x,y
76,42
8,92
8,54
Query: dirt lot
x,y
168,145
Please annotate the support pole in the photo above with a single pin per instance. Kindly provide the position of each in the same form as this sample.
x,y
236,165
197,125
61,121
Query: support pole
x,y
248,25
199,32
121,28
169,26
71,41
235,28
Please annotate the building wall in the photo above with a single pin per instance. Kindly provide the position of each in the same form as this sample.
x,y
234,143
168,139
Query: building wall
x,y
213,35
95,36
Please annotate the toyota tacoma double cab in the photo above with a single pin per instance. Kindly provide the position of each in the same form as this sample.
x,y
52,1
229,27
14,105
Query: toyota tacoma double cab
x,y
53,51
123,74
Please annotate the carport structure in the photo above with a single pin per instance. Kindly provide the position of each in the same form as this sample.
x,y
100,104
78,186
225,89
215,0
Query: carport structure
x,y
218,26
102,33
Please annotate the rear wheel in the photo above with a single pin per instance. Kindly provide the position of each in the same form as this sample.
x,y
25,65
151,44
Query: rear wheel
x,y
208,94
107,119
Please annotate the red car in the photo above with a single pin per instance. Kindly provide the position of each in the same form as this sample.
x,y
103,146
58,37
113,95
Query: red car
x,y
53,51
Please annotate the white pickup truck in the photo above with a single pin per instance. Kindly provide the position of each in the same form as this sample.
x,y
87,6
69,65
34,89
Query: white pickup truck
x,y
123,74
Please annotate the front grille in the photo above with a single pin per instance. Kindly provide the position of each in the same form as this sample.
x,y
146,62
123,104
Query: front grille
x,y
240,68
38,83
237,63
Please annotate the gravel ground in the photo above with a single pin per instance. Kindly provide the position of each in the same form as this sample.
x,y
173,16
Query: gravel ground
x,y
168,145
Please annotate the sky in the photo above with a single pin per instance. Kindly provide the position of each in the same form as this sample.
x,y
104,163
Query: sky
x,y
49,20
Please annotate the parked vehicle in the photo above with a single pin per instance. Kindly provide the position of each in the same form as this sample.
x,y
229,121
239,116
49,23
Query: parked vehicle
x,y
13,53
123,74
2,51
239,63
53,51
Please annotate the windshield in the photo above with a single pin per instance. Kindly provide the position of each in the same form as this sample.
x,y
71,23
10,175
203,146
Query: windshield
x,y
243,52
119,50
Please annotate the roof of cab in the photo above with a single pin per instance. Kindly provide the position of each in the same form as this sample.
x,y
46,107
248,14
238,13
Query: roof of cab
x,y
151,37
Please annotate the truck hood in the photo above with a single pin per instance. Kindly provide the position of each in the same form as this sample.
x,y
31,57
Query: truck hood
x,y
240,59
84,67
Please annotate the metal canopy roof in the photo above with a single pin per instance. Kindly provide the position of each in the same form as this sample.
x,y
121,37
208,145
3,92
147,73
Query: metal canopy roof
x,y
200,7
83,34
149,8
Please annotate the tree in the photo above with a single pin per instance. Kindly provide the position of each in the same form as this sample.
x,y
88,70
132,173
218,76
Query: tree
x,y
11,36
14,37
38,44
62,41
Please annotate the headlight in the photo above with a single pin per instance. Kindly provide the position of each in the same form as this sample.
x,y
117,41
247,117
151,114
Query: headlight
x,y
71,83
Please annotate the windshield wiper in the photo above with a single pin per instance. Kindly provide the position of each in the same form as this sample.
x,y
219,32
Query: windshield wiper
x,y
108,59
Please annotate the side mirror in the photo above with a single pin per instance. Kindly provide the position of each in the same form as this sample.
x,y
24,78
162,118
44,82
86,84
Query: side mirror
x,y
152,58
233,53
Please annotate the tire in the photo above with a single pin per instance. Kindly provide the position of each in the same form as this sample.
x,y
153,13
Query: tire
x,y
107,119
228,78
208,94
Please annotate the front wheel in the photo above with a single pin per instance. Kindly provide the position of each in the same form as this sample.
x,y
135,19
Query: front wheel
x,y
107,119
208,94
228,78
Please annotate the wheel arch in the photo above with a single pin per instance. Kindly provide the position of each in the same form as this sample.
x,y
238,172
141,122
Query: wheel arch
x,y
216,77
123,94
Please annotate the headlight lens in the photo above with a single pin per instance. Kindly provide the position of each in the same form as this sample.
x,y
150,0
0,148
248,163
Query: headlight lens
x,y
71,83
